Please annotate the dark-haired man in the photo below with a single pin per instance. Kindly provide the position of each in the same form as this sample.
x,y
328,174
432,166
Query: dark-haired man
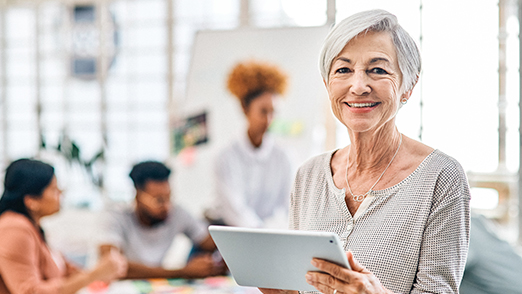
x,y
144,232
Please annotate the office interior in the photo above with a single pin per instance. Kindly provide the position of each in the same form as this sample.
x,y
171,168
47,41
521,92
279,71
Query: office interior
x,y
93,87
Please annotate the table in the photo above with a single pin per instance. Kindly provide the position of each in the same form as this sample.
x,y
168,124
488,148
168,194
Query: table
x,y
212,285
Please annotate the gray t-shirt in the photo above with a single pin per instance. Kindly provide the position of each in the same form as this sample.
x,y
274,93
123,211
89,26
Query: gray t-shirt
x,y
148,245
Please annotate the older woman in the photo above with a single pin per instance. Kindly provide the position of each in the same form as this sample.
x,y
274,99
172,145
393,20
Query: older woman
x,y
26,263
400,207
253,175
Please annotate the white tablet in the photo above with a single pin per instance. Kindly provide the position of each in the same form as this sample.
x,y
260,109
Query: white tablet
x,y
277,259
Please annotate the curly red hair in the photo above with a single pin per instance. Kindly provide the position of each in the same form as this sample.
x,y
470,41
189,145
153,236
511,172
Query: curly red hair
x,y
254,77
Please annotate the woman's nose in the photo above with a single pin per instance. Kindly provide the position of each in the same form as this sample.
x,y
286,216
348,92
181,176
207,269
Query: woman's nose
x,y
359,84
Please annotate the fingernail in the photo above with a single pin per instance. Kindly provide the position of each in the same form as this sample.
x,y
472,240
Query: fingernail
x,y
314,263
308,278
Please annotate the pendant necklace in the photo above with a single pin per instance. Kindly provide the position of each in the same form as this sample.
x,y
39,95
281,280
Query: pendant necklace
x,y
360,197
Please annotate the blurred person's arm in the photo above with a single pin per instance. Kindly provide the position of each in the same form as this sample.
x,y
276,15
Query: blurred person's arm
x,y
112,266
208,244
198,267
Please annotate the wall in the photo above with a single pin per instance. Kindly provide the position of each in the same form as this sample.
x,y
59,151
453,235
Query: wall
x,y
296,51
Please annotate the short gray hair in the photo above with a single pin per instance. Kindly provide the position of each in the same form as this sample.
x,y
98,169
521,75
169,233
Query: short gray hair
x,y
377,20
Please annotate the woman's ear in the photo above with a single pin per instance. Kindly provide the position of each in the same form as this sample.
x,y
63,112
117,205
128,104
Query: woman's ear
x,y
406,95
31,203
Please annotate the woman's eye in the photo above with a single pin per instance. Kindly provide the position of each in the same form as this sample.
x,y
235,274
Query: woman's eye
x,y
378,70
342,70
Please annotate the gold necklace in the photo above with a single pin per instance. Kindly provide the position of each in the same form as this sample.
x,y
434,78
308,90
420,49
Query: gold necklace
x,y
360,197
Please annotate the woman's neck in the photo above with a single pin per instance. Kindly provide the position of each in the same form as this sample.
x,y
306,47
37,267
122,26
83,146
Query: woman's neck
x,y
35,218
255,139
371,151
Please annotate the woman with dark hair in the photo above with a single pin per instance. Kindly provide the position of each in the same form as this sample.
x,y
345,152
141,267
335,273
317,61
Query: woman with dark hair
x,y
26,263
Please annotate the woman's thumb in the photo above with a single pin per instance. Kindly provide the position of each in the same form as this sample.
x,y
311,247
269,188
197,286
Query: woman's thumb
x,y
354,264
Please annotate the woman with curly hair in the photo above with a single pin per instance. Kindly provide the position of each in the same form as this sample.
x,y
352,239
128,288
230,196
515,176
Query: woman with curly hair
x,y
253,175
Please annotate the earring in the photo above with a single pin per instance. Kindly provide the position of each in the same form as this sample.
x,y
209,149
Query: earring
x,y
404,100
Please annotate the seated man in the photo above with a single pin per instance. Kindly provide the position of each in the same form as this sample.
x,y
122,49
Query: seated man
x,y
144,232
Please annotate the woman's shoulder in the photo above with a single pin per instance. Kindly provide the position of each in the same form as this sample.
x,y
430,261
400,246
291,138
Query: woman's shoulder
x,y
430,157
14,219
229,149
282,154
443,161
15,223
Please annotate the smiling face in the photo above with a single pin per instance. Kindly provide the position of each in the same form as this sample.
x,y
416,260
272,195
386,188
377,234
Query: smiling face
x,y
364,83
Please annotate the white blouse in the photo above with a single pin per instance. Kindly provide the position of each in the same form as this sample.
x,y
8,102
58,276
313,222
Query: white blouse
x,y
413,236
252,184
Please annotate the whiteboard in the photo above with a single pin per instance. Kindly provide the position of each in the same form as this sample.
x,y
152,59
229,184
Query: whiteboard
x,y
303,108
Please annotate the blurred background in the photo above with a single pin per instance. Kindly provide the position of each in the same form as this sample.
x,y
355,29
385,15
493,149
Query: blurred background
x,y
93,87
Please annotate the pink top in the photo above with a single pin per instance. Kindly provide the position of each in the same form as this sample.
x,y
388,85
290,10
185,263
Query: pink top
x,y
26,264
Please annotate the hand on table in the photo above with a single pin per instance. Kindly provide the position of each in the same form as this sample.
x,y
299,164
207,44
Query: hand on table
x,y
202,266
356,280
71,269
111,266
